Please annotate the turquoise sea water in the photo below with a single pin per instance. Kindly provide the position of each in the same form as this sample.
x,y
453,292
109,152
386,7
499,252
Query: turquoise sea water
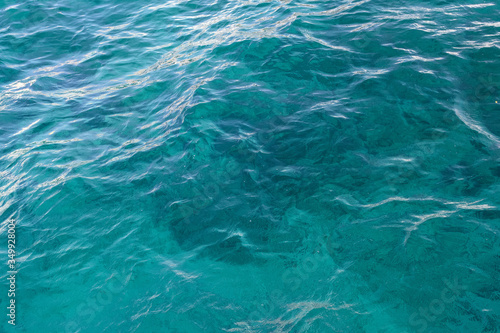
x,y
251,166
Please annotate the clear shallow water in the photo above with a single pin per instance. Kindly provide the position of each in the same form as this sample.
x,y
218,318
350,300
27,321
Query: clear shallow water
x,y
251,166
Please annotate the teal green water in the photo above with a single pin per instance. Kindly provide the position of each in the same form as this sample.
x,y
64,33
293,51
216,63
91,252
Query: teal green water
x,y
251,166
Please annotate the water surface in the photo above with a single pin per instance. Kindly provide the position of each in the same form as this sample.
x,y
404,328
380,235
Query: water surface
x,y
251,166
